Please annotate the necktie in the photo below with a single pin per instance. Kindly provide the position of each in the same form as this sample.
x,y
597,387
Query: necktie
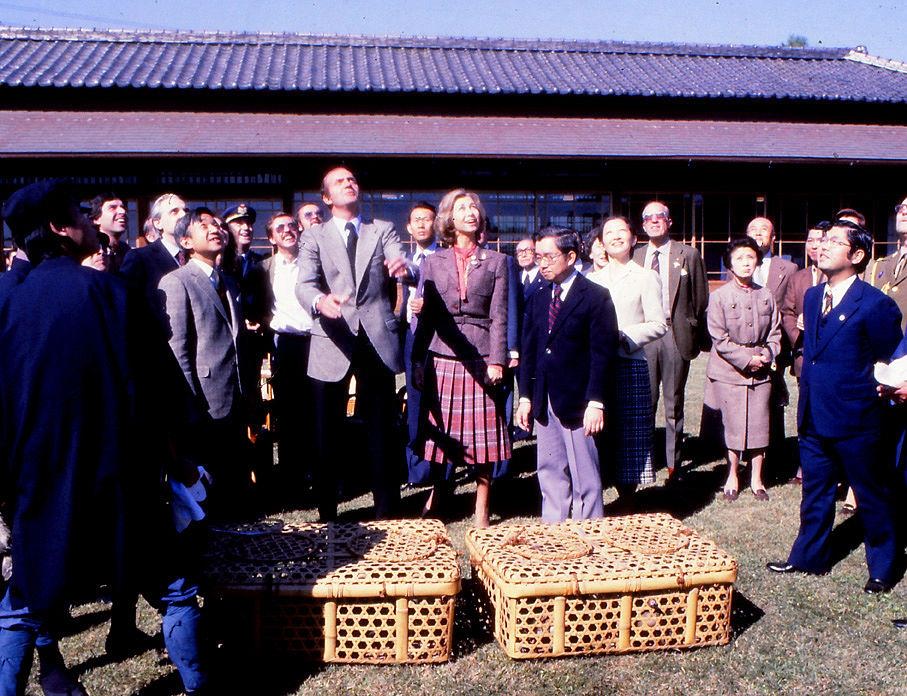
x,y
182,256
656,266
900,266
351,239
221,288
526,280
554,307
826,305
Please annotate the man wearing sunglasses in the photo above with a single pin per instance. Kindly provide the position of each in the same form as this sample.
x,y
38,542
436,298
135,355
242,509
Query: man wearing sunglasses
x,y
684,296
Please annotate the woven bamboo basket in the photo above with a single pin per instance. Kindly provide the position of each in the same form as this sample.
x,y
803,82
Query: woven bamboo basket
x,y
376,593
613,585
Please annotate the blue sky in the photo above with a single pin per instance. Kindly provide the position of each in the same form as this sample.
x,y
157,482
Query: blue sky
x,y
877,25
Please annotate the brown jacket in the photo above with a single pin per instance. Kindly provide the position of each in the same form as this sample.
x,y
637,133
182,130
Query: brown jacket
x,y
792,308
689,297
742,324
469,329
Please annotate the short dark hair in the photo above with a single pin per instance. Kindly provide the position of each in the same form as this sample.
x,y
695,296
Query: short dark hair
x,y
738,243
565,238
324,179
823,225
851,212
859,238
96,204
181,229
421,204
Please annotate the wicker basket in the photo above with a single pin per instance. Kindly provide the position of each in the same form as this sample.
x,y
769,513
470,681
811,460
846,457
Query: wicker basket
x,y
376,593
613,585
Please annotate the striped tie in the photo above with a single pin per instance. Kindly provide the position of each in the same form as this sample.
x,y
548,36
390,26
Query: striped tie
x,y
826,307
554,307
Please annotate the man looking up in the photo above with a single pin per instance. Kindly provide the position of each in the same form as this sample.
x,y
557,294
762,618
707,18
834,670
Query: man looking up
x,y
109,215
889,273
308,215
347,266
684,296
848,327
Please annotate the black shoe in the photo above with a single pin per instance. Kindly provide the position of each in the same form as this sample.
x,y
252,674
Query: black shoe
x,y
899,623
127,643
59,682
782,567
876,586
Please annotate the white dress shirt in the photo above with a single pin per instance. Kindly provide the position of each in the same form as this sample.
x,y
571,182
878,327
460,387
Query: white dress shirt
x,y
418,257
288,316
837,292
174,249
532,274
340,226
760,275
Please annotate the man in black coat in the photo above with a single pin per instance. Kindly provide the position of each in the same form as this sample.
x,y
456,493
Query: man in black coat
x,y
569,352
86,478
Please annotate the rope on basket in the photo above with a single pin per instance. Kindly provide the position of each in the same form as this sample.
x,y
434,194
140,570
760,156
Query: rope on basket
x,y
546,545
394,546
647,539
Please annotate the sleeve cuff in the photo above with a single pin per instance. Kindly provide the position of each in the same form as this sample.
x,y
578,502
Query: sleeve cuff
x,y
525,400
514,355
597,404
315,312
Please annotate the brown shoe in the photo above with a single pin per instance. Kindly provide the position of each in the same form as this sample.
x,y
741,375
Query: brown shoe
x,y
730,494
761,494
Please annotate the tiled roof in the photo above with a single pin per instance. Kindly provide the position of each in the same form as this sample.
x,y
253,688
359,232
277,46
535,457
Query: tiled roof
x,y
99,133
300,63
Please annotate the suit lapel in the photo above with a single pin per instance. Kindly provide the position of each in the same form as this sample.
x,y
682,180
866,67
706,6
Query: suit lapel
x,y
233,299
840,315
365,247
203,284
332,242
573,299
165,253
676,261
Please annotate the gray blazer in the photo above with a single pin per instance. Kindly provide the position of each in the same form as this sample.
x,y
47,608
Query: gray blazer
x,y
466,330
742,324
203,337
325,268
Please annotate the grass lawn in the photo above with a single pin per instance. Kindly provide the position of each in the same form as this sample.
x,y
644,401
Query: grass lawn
x,y
792,634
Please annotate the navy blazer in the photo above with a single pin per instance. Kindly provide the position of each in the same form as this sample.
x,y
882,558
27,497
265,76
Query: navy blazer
x,y
143,269
576,362
837,387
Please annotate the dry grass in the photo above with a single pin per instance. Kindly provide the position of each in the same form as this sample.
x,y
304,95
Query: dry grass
x,y
796,635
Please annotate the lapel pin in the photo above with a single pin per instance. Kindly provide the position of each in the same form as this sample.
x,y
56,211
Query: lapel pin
x,y
842,317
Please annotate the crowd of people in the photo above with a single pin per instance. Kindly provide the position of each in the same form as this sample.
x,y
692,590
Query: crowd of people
x,y
130,396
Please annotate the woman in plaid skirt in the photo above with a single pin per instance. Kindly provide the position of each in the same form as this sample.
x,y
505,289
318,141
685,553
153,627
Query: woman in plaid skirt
x,y
636,293
460,350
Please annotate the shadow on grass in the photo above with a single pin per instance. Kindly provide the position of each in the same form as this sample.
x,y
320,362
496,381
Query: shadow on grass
x,y
82,622
744,614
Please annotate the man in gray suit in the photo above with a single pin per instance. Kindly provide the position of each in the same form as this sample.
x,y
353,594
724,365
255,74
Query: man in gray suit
x,y
685,296
203,320
348,268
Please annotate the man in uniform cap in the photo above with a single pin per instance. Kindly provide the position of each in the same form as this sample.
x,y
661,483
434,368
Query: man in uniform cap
x,y
86,476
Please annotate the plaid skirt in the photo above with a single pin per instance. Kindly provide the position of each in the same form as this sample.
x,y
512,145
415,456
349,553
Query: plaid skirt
x,y
632,424
462,419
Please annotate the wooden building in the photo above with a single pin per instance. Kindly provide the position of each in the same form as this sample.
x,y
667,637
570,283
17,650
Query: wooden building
x,y
547,132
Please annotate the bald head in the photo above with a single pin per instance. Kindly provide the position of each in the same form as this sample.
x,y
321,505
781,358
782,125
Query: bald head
x,y
762,231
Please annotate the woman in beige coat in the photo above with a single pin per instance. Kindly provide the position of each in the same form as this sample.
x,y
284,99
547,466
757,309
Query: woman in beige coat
x,y
636,293
745,326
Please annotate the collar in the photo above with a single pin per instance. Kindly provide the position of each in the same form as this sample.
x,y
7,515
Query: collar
x,y
174,249
663,250
566,285
532,273
340,225
838,292
209,270
282,260
421,253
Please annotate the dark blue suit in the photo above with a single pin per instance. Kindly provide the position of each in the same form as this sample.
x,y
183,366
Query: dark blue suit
x,y
840,419
143,269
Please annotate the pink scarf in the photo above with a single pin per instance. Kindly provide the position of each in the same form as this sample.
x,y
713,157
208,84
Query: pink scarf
x,y
461,257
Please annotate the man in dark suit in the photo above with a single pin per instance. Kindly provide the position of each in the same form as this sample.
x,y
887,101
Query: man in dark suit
x,y
348,276
202,315
144,267
86,478
848,327
108,214
569,350
685,297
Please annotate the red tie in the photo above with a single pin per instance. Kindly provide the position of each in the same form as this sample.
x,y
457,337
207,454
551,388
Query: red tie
x,y
554,307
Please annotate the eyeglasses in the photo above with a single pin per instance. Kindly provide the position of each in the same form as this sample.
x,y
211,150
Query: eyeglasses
x,y
545,259
900,209
834,242
421,218
652,217
286,226
521,252
312,213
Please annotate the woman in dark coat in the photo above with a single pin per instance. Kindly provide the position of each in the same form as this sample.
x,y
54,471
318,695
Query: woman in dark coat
x,y
745,326
460,349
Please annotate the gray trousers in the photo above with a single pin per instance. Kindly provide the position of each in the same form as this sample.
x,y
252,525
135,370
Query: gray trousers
x,y
668,371
568,472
